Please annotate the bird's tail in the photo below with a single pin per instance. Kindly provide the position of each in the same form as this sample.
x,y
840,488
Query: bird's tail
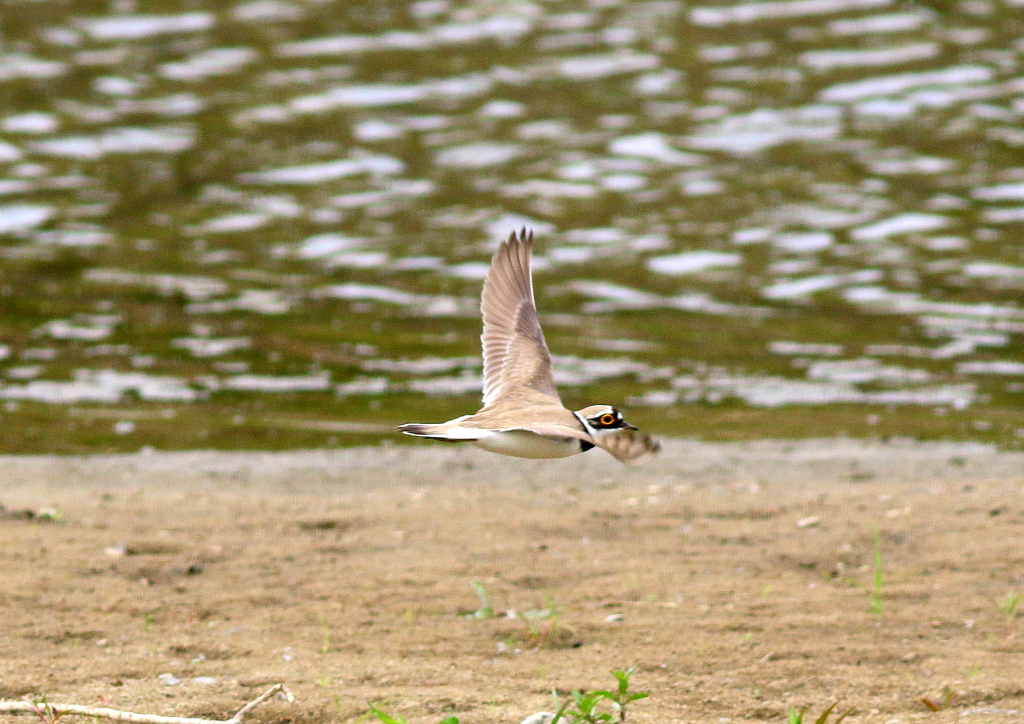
x,y
421,430
442,431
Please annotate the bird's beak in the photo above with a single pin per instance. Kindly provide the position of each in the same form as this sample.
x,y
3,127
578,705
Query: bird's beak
x,y
628,426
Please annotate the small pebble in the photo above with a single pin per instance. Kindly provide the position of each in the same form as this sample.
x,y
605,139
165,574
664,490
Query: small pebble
x,y
169,679
612,618
541,717
808,522
205,680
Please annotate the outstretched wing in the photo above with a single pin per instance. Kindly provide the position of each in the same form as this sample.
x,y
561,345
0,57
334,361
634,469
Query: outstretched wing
x,y
517,363
628,446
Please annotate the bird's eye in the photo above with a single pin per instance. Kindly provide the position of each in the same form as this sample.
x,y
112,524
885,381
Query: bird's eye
x,y
607,419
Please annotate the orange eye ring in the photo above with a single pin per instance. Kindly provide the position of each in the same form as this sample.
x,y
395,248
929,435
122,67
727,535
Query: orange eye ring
x,y
607,419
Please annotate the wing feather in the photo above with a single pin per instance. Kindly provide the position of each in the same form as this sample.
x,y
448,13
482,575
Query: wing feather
x,y
629,446
516,358
562,432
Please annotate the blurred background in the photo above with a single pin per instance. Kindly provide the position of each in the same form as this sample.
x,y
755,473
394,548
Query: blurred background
x,y
264,223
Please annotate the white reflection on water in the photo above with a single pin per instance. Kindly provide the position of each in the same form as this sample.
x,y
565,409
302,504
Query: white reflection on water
x,y
777,392
14,66
958,79
882,24
31,123
693,262
208,64
211,346
128,140
105,386
762,129
797,288
20,217
754,11
277,383
826,60
317,173
83,328
507,29
192,287
908,223
136,27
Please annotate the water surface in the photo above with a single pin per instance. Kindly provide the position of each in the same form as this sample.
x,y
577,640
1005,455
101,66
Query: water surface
x,y
265,223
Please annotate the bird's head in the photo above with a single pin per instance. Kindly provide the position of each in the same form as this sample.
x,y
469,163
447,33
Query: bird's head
x,y
602,418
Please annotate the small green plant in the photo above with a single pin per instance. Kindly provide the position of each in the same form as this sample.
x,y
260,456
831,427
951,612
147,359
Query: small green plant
x,y
535,616
541,623
876,594
388,719
1010,604
325,648
621,696
42,709
486,610
586,703
536,619
947,699
580,708
586,708
796,716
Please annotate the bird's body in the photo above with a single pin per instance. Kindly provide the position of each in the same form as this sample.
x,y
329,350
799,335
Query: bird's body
x,y
523,416
527,444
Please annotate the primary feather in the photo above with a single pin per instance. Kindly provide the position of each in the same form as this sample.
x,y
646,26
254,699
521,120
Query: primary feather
x,y
517,363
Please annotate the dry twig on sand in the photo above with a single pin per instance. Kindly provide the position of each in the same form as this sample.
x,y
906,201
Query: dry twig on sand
x,y
48,712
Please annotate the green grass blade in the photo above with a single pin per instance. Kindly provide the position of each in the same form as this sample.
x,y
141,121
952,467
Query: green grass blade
x,y
386,718
876,555
824,715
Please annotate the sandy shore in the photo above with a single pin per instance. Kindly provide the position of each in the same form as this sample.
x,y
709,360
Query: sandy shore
x,y
737,578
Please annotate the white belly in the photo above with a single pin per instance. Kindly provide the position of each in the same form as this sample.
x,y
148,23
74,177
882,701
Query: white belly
x,y
523,444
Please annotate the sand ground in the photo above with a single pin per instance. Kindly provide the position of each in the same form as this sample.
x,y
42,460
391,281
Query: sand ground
x,y
736,578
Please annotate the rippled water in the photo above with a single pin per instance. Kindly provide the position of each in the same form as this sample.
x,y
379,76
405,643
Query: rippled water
x,y
265,223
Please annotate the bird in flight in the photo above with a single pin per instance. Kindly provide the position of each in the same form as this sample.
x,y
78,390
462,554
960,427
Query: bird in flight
x,y
523,416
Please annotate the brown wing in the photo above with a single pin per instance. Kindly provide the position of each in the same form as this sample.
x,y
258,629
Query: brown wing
x,y
516,358
629,446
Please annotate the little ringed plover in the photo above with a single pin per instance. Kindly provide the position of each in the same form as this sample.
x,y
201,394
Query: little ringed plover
x,y
523,416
